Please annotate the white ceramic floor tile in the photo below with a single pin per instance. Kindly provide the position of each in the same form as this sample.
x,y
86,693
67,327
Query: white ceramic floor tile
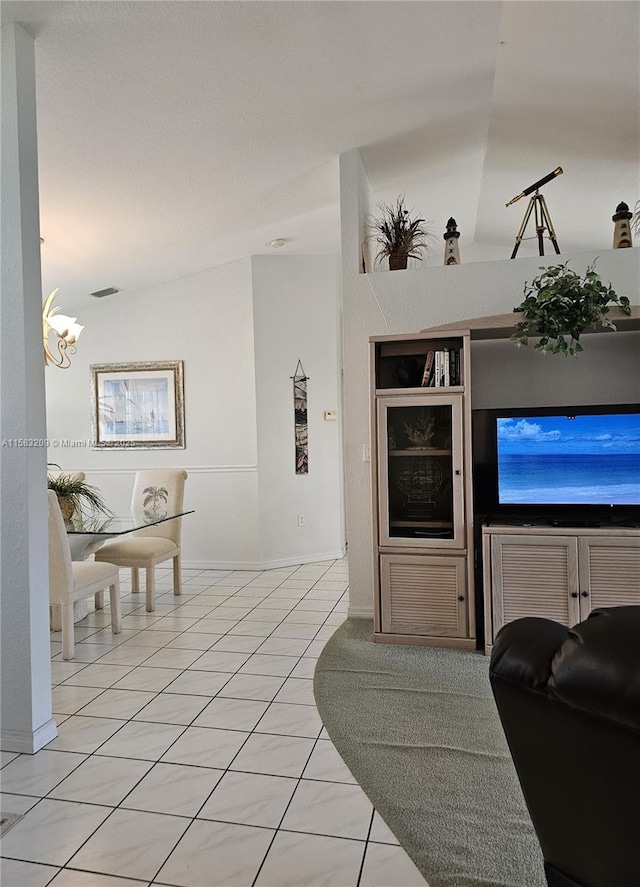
x,y
16,803
15,873
172,708
98,675
380,831
145,742
269,664
305,668
214,626
117,704
284,646
295,630
6,757
389,866
82,734
329,808
148,679
206,747
127,654
273,755
101,780
199,683
60,671
38,774
173,788
216,660
298,691
172,657
312,860
151,638
288,719
254,628
71,878
327,765
231,714
69,700
250,799
250,686
194,641
131,843
52,832
105,637
236,643
218,855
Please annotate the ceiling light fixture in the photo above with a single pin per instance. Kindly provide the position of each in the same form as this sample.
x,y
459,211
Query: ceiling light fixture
x,y
59,333
277,242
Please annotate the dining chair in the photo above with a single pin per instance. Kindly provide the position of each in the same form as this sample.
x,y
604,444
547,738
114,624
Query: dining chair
x,y
156,494
71,581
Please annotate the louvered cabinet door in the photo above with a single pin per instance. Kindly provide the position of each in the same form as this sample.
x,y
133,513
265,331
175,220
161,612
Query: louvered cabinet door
x,y
534,576
609,572
424,595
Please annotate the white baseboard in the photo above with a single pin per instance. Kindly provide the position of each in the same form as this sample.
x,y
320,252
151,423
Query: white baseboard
x,y
265,564
26,742
360,613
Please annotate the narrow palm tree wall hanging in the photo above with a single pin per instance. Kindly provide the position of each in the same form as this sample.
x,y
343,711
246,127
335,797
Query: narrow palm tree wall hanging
x,y
300,380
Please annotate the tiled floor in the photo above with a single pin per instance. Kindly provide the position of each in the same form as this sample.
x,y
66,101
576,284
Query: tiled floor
x,y
190,752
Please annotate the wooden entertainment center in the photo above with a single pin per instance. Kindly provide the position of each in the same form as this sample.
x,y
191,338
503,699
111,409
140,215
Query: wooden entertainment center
x,y
426,541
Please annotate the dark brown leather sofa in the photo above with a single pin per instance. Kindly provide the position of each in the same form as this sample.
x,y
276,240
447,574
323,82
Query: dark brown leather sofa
x,y
569,701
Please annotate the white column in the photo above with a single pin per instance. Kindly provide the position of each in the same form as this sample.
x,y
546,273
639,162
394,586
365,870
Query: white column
x,y
26,722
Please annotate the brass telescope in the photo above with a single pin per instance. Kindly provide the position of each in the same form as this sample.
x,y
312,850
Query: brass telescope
x,y
537,205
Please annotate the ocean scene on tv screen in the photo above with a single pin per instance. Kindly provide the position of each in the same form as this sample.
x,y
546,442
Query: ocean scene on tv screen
x,y
563,460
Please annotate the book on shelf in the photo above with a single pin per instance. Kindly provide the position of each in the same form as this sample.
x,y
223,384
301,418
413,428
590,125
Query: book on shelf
x,y
428,370
446,370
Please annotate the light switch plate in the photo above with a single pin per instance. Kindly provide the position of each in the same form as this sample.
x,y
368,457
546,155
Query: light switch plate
x,y
330,416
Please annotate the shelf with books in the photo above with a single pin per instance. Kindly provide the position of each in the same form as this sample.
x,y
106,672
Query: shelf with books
x,y
419,363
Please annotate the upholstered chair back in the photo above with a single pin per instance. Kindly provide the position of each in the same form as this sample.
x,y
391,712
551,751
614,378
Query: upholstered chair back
x,y
74,475
60,570
156,493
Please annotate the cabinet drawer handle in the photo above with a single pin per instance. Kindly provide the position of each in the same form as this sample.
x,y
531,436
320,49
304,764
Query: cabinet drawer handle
x,y
460,597
585,594
574,594
457,472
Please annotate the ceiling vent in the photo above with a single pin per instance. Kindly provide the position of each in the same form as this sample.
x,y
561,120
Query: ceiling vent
x,y
109,291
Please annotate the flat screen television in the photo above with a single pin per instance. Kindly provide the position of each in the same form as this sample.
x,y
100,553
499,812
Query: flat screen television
x,y
558,461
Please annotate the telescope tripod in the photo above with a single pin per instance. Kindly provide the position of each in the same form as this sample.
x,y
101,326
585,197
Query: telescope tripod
x,y
537,206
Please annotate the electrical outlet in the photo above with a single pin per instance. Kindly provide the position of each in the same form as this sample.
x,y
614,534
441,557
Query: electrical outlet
x,y
301,520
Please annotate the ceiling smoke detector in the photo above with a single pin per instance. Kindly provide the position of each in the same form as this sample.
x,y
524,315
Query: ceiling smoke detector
x,y
277,242
109,291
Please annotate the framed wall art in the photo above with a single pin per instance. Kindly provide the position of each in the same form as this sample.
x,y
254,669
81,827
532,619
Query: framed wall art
x,y
138,405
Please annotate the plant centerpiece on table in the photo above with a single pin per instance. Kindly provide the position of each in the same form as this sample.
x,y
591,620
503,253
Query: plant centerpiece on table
x,y
559,305
77,497
399,237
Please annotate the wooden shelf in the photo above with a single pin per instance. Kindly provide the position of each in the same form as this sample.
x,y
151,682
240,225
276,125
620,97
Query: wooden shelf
x,y
421,451
501,326
434,524
441,389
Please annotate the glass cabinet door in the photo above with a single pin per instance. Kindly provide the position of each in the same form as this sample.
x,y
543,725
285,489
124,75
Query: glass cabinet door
x,y
420,471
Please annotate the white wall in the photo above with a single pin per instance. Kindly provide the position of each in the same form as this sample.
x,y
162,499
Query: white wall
x,y
411,300
241,499
295,309
206,320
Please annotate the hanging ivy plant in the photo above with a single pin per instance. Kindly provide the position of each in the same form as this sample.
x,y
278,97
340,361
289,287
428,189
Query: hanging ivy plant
x,y
559,305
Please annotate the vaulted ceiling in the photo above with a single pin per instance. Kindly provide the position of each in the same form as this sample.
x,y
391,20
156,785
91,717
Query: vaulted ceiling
x,y
174,136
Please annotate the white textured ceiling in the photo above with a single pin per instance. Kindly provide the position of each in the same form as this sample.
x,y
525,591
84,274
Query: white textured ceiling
x,y
174,136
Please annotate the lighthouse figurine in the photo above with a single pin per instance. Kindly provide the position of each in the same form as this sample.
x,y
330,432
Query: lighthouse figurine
x,y
451,251
622,230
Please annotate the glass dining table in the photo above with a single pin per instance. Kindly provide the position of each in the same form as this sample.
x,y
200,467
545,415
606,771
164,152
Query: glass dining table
x,y
86,534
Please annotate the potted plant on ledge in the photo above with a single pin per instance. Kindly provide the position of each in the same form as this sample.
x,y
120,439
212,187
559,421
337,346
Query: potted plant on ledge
x,y
399,237
559,305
